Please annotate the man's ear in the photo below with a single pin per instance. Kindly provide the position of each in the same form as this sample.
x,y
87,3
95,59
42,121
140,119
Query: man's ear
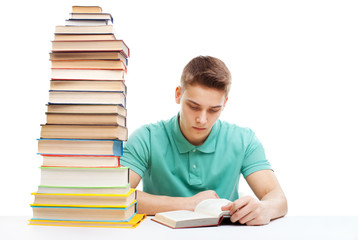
x,y
178,92
227,98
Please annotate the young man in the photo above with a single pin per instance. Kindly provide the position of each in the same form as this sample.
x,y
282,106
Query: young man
x,y
194,156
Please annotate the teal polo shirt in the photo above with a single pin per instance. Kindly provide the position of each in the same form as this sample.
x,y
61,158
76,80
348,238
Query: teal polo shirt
x,y
169,165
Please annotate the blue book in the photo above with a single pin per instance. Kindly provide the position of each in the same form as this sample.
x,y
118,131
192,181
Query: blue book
x,y
91,147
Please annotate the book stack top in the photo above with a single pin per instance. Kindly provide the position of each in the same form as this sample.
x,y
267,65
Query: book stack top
x,y
82,181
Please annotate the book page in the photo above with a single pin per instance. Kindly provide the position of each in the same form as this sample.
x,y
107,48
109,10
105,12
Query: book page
x,y
184,218
212,207
183,215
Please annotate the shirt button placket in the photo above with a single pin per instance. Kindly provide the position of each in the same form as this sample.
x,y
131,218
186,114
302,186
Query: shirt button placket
x,y
193,171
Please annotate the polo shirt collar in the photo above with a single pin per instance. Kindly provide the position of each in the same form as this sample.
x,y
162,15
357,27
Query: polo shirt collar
x,y
184,146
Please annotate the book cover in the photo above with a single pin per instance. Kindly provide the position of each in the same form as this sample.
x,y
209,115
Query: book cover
x,y
80,177
206,213
85,199
62,131
87,97
52,146
84,213
132,223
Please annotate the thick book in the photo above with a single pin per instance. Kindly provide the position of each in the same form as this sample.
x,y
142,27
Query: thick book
x,y
84,177
87,200
87,108
88,55
80,161
84,85
106,16
84,37
87,22
53,146
132,223
86,118
86,9
87,97
98,29
88,74
206,213
84,190
113,132
84,213
89,64
99,45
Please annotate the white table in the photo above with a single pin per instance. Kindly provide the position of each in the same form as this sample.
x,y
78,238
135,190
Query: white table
x,y
338,228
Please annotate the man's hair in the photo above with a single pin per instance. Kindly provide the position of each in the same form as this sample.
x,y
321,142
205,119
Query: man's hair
x,y
207,71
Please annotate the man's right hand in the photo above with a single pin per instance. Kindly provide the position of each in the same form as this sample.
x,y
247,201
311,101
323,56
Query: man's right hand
x,y
201,196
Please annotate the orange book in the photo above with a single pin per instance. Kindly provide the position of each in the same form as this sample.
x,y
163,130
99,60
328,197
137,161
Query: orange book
x,y
89,64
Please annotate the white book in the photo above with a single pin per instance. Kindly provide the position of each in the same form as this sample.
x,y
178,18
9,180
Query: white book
x,y
84,177
206,213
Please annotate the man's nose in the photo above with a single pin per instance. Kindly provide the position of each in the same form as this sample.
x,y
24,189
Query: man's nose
x,y
202,118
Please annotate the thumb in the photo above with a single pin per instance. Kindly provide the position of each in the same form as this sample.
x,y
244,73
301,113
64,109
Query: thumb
x,y
226,207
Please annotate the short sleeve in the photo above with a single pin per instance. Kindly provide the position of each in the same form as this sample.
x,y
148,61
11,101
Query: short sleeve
x,y
136,152
255,158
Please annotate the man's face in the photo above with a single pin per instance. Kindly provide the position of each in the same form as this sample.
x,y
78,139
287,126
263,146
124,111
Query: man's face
x,y
200,108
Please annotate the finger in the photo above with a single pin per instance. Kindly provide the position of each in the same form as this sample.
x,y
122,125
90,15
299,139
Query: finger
x,y
247,218
212,194
227,207
238,204
240,214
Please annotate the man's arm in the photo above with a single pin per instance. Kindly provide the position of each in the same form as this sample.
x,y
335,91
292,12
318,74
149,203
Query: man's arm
x,y
272,202
151,204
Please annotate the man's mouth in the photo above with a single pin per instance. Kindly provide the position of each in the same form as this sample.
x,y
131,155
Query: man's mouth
x,y
199,129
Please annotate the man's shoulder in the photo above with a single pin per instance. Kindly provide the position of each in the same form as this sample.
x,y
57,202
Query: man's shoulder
x,y
234,129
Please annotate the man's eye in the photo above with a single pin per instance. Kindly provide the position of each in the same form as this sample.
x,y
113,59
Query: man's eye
x,y
213,110
193,107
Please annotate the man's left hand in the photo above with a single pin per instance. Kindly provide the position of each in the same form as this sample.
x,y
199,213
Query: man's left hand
x,y
248,210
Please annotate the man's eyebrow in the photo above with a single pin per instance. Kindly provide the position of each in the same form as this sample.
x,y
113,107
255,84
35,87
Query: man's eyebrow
x,y
195,103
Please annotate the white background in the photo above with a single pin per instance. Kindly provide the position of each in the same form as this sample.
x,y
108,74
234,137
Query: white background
x,y
294,67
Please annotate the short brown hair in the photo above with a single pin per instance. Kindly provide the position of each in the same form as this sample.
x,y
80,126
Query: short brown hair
x,y
207,71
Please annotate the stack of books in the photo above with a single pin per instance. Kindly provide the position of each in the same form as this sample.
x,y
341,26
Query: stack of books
x,y
82,181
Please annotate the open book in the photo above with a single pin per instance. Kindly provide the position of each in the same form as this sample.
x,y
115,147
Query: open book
x,y
206,213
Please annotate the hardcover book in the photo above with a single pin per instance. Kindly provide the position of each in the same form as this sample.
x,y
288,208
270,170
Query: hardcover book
x,y
84,177
84,190
206,213
87,97
47,146
86,118
95,45
88,200
87,74
89,64
87,108
132,223
84,213
83,85
80,161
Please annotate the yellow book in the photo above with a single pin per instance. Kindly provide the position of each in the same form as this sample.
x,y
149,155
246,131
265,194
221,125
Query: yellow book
x,y
84,213
133,223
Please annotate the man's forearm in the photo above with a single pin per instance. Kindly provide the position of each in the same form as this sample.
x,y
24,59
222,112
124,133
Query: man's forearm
x,y
275,202
151,204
